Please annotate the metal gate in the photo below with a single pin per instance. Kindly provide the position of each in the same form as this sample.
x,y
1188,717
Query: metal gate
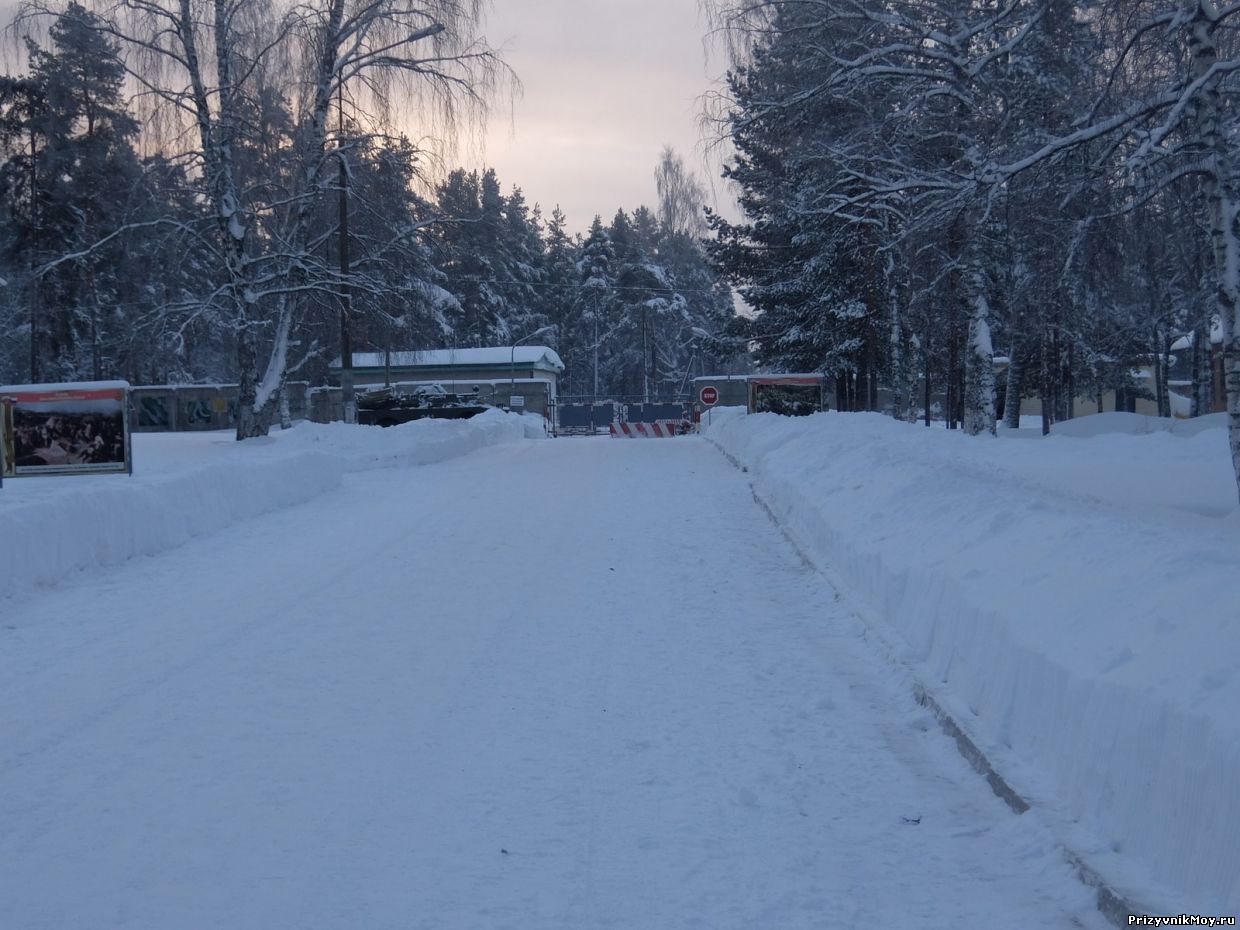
x,y
584,419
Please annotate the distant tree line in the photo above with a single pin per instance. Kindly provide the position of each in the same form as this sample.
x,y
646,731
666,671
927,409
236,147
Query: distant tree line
x,y
635,304
171,181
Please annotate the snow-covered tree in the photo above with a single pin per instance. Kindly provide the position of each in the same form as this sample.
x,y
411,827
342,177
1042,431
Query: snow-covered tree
x,y
77,178
206,67
594,318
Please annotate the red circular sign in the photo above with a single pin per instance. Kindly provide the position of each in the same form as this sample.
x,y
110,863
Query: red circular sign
x,y
710,396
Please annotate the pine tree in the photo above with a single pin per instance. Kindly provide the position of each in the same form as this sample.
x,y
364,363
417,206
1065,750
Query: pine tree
x,y
84,178
525,266
559,301
461,253
595,311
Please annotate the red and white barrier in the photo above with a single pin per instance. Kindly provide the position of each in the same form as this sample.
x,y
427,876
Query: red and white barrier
x,y
659,428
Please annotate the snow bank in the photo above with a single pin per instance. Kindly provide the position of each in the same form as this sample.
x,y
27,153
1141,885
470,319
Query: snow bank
x,y
187,485
1136,424
1073,603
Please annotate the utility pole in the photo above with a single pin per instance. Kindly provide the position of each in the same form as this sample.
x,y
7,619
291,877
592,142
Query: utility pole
x,y
346,341
645,362
34,281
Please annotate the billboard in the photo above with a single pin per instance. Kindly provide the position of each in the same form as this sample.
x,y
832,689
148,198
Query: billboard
x,y
65,429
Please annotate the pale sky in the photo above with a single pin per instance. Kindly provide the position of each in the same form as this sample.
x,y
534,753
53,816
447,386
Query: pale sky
x,y
607,84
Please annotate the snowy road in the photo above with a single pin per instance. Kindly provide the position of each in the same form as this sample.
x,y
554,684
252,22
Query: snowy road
x,y
571,684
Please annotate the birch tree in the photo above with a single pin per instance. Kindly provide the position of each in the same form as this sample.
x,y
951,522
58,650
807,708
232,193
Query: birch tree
x,y
200,65
1166,109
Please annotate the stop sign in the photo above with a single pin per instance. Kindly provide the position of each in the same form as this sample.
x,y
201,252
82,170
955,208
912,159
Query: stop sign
x,y
709,396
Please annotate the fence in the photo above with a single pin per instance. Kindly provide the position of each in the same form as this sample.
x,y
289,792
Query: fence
x,y
585,419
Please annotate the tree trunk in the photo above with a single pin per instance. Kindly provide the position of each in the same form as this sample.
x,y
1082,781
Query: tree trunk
x,y
1224,198
910,379
34,281
1056,377
896,343
962,367
286,416
950,389
871,351
1015,388
925,368
1070,382
645,369
248,426
1160,381
860,392
979,391
1220,185
1203,376
1044,384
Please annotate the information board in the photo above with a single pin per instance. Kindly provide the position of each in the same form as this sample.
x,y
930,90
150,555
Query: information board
x,y
65,429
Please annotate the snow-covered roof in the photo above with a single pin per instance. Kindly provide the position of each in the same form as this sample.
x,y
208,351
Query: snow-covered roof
x,y
444,382
762,375
64,386
525,356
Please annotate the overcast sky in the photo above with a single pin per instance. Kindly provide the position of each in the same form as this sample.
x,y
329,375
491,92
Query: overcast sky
x,y
607,83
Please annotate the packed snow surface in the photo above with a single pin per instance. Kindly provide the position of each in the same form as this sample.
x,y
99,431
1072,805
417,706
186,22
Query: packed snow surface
x,y
1072,600
571,684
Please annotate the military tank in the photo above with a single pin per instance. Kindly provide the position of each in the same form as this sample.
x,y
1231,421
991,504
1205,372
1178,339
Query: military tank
x,y
390,406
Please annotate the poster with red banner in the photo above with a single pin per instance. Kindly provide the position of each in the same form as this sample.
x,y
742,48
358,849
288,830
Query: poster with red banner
x,y
65,429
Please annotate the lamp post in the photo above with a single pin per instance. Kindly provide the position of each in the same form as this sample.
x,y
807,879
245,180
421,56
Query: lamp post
x,y
512,384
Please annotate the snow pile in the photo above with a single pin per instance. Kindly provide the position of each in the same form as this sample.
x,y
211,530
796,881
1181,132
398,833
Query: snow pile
x,y
716,416
1071,601
190,484
422,442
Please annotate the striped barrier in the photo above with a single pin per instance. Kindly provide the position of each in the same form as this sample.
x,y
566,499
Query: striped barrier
x,y
659,429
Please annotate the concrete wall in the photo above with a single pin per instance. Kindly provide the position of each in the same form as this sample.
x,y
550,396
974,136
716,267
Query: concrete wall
x,y
192,407
535,395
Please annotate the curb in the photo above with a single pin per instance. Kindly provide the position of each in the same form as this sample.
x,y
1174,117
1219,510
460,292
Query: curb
x,y
969,749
